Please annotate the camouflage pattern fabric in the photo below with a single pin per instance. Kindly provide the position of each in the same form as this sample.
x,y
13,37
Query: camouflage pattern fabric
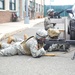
x,y
17,48
59,47
47,23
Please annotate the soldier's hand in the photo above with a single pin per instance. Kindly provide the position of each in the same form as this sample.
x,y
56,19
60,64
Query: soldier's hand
x,y
40,46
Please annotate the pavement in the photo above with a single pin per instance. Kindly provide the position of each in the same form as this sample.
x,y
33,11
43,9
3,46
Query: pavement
x,y
61,64
7,29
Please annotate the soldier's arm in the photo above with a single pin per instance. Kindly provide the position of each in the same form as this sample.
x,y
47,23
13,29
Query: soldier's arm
x,y
36,52
48,24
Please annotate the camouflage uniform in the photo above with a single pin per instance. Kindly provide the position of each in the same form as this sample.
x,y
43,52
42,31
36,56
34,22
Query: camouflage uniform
x,y
47,22
53,35
30,47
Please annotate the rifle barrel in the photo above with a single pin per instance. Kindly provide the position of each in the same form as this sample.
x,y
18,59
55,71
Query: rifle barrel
x,y
49,43
71,42
60,41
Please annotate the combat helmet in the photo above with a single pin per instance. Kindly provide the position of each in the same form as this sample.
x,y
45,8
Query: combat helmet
x,y
41,33
49,11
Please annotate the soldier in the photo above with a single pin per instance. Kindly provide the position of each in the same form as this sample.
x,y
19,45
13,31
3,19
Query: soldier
x,y
32,46
53,34
47,22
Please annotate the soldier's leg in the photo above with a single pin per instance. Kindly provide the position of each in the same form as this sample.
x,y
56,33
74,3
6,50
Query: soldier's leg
x,y
13,39
8,51
19,48
4,45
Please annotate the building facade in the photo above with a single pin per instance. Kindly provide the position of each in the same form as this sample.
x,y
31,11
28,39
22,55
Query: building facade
x,y
7,7
35,8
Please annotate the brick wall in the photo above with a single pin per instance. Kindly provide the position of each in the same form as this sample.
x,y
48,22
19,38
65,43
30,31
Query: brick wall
x,y
5,16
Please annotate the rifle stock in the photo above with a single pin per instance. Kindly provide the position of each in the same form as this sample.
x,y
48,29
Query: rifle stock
x,y
49,54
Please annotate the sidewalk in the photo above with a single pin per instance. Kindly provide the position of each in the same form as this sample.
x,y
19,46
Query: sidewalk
x,y
11,28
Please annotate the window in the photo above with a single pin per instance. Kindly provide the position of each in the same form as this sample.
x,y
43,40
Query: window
x,y
36,7
12,5
42,8
1,4
39,7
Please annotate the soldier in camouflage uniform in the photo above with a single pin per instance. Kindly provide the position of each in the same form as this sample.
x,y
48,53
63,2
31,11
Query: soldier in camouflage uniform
x,y
32,46
53,34
47,22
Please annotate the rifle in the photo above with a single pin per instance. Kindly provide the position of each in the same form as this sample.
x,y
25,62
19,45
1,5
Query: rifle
x,y
56,14
66,43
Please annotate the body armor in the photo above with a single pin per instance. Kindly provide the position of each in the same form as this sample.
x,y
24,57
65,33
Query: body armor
x,y
27,50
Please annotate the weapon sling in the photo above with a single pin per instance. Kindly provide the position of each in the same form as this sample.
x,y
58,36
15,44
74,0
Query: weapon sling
x,y
27,50
27,39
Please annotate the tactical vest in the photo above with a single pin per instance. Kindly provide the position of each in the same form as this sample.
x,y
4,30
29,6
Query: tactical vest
x,y
27,50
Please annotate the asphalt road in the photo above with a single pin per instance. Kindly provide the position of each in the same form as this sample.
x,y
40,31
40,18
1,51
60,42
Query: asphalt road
x,y
61,64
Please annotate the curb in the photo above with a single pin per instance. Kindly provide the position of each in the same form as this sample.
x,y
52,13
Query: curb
x,y
4,36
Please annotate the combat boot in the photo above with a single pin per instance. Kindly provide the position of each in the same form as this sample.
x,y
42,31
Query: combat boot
x,y
25,36
10,39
